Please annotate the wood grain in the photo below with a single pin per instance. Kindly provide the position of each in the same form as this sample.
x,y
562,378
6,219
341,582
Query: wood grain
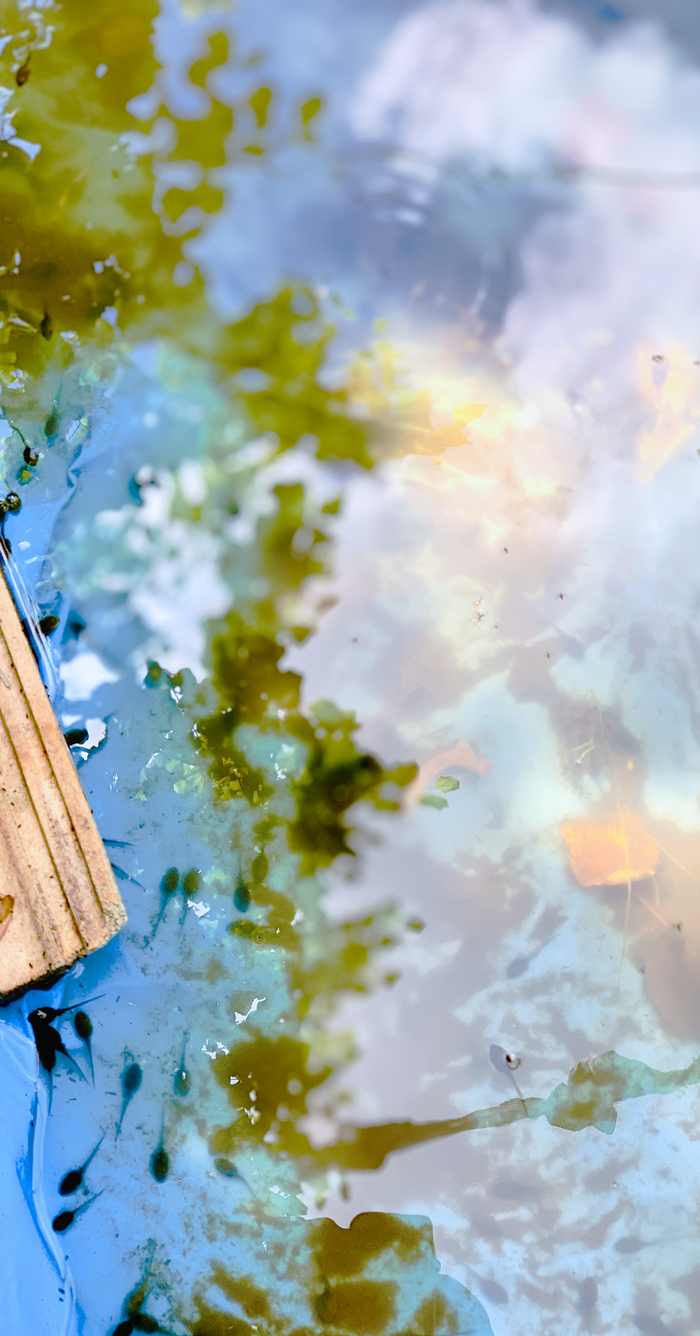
x,y
58,896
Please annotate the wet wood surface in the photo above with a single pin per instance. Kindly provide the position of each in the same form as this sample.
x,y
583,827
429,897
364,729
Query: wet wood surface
x,y
58,896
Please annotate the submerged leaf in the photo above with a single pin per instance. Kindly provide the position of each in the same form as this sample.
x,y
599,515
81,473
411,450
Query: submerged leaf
x,y
610,851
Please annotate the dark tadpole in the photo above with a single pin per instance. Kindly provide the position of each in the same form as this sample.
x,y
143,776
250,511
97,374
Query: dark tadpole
x,y
22,74
49,1014
131,1079
48,1041
241,896
190,885
144,1322
73,1179
46,326
65,1219
182,1080
137,1322
160,1160
52,421
169,883
83,1028
191,881
227,1168
47,626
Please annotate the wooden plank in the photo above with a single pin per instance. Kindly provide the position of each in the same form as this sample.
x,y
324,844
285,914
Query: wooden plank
x,y
58,896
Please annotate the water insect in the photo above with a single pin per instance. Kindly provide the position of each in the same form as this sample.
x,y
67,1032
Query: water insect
x,y
507,1063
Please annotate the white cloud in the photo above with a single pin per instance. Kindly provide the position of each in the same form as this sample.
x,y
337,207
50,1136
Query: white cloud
x,y
611,266
84,674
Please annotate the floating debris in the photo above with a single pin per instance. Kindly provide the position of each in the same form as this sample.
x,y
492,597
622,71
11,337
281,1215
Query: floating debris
x,y
610,851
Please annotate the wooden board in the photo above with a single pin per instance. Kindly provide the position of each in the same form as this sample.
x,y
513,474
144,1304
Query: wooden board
x,y
58,896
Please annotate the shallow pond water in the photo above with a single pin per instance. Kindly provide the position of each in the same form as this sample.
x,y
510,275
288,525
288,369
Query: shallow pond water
x,y
359,350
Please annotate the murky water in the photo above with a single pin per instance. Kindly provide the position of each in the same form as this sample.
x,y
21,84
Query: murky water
x,y
359,350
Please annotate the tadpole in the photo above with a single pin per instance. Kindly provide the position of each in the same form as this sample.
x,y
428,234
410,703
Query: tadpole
x,y
73,1179
160,1160
137,1322
131,1079
168,886
83,1028
241,895
144,1322
65,1219
227,1168
49,1014
190,885
48,1041
182,1080
52,421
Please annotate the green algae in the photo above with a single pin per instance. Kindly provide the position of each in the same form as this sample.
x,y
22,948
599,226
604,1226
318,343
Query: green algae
x,y
93,233
378,1277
